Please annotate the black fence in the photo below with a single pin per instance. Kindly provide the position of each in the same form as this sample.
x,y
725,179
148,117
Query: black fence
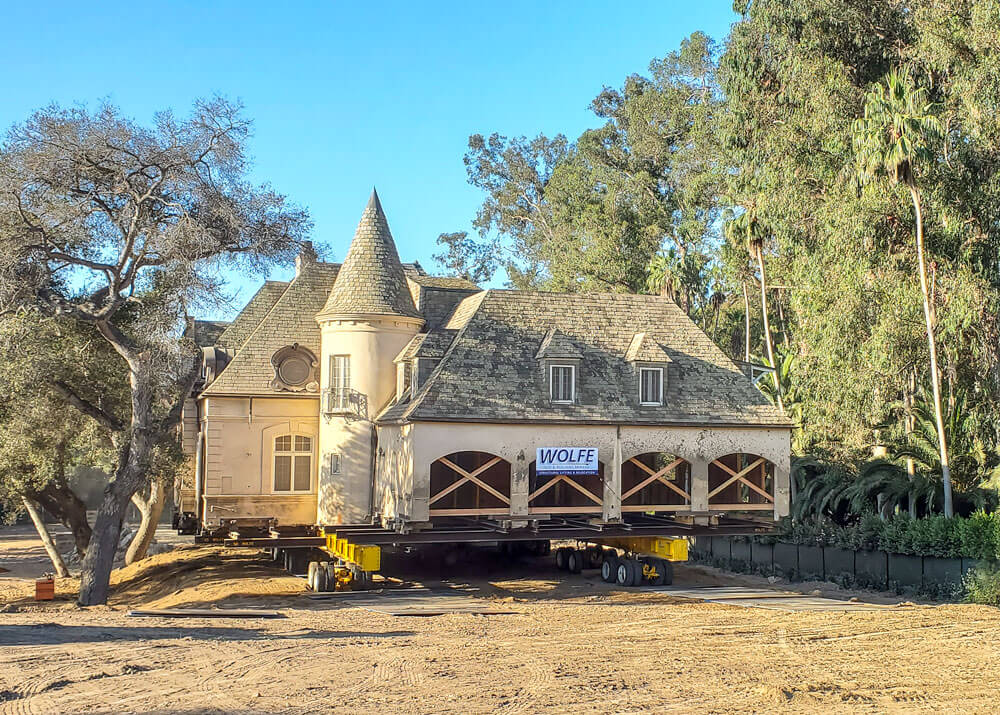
x,y
868,569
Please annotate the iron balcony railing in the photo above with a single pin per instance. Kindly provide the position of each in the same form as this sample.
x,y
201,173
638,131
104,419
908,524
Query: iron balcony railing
x,y
344,401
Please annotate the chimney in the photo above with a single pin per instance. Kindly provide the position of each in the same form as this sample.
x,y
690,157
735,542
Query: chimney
x,y
307,254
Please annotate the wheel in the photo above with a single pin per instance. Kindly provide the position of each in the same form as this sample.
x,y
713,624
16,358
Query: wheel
x,y
562,558
634,571
321,582
609,567
623,575
330,568
668,571
286,561
311,574
658,575
595,556
575,560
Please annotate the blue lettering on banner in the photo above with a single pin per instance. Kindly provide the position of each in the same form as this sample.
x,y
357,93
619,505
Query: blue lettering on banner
x,y
579,461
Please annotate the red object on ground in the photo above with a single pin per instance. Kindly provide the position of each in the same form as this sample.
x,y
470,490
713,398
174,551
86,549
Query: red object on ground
x,y
45,589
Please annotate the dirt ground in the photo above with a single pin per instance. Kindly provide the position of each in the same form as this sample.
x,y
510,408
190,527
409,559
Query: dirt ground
x,y
570,644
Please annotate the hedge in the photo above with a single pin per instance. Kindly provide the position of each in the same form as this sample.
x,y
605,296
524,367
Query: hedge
x,y
973,537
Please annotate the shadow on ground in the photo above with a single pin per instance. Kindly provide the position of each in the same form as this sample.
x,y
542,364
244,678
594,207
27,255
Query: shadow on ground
x,y
57,634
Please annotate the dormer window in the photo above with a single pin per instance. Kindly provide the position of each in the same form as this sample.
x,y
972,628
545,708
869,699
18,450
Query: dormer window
x,y
562,383
651,386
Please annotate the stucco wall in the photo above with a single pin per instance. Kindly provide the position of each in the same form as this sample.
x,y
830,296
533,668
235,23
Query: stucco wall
x,y
239,461
405,495
372,343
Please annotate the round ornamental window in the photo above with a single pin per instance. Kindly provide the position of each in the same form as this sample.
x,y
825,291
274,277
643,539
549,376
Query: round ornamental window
x,y
294,370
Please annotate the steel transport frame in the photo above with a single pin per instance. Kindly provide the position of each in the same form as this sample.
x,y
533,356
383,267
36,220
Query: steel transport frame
x,y
638,549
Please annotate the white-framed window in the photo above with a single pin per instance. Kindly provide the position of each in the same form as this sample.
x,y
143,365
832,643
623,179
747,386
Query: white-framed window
x,y
293,463
651,386
340,373
562,383
402,379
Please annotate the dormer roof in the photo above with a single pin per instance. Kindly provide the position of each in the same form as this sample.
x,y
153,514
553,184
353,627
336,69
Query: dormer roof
x,y
644,348
555,344
371,280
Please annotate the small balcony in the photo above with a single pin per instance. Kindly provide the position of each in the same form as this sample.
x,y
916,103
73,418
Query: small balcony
x,y
344,401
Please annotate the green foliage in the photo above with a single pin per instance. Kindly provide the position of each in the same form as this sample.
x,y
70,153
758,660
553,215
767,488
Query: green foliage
x,y
975,537
982,585
897,129
759,145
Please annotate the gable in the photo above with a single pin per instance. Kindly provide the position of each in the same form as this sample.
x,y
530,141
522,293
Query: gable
x,y
290,320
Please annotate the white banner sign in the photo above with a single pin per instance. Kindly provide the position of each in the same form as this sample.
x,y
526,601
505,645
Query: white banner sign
x,y
566,460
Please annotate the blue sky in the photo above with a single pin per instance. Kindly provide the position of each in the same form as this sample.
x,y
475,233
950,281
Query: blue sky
x,y
345,96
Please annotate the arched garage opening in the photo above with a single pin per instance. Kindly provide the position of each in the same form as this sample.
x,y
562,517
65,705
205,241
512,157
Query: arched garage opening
x,y
470,484
565,493
656,481
741,482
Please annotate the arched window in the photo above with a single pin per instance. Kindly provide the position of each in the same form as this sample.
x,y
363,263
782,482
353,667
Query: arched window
x,y
293,463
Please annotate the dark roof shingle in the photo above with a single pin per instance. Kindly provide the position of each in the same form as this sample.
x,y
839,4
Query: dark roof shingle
x,y
371,280
490,372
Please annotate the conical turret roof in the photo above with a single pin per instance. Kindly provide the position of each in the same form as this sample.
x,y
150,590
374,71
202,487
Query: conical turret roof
x,y
371,280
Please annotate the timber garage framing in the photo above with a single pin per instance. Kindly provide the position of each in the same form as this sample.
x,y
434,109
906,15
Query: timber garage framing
x,y
371,393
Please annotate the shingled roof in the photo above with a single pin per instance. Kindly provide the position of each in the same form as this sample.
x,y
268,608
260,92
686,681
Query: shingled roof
x,y
290,320
237,332
490,372
371,280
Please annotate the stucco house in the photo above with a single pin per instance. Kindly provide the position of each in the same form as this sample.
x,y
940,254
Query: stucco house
x,y
372,392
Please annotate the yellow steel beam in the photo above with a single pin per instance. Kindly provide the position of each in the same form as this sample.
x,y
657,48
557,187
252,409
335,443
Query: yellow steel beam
x,y
364,556
664,548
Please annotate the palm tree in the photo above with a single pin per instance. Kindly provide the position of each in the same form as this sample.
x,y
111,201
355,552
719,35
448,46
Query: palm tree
x,y
897,130
717,300
752,232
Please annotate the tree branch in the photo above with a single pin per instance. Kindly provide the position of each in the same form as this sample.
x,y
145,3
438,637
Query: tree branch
x,y
103,418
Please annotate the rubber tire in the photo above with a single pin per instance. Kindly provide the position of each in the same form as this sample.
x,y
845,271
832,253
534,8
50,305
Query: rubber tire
x,y
595,555
668,572
661,573
575,560
635,572
331,575
609,568
286,561
623,576
311,574
320,579
562,558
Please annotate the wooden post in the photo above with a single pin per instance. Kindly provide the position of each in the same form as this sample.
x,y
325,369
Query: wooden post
x,y
612,503
46,537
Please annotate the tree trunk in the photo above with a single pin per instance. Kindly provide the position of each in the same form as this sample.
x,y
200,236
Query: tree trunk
x,y
911,388
151,509
62,502
746,323
130,474
781,320
767,329
46,537
931,344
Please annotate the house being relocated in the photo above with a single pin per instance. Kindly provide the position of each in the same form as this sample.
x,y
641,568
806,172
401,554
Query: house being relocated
x,y
371,392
